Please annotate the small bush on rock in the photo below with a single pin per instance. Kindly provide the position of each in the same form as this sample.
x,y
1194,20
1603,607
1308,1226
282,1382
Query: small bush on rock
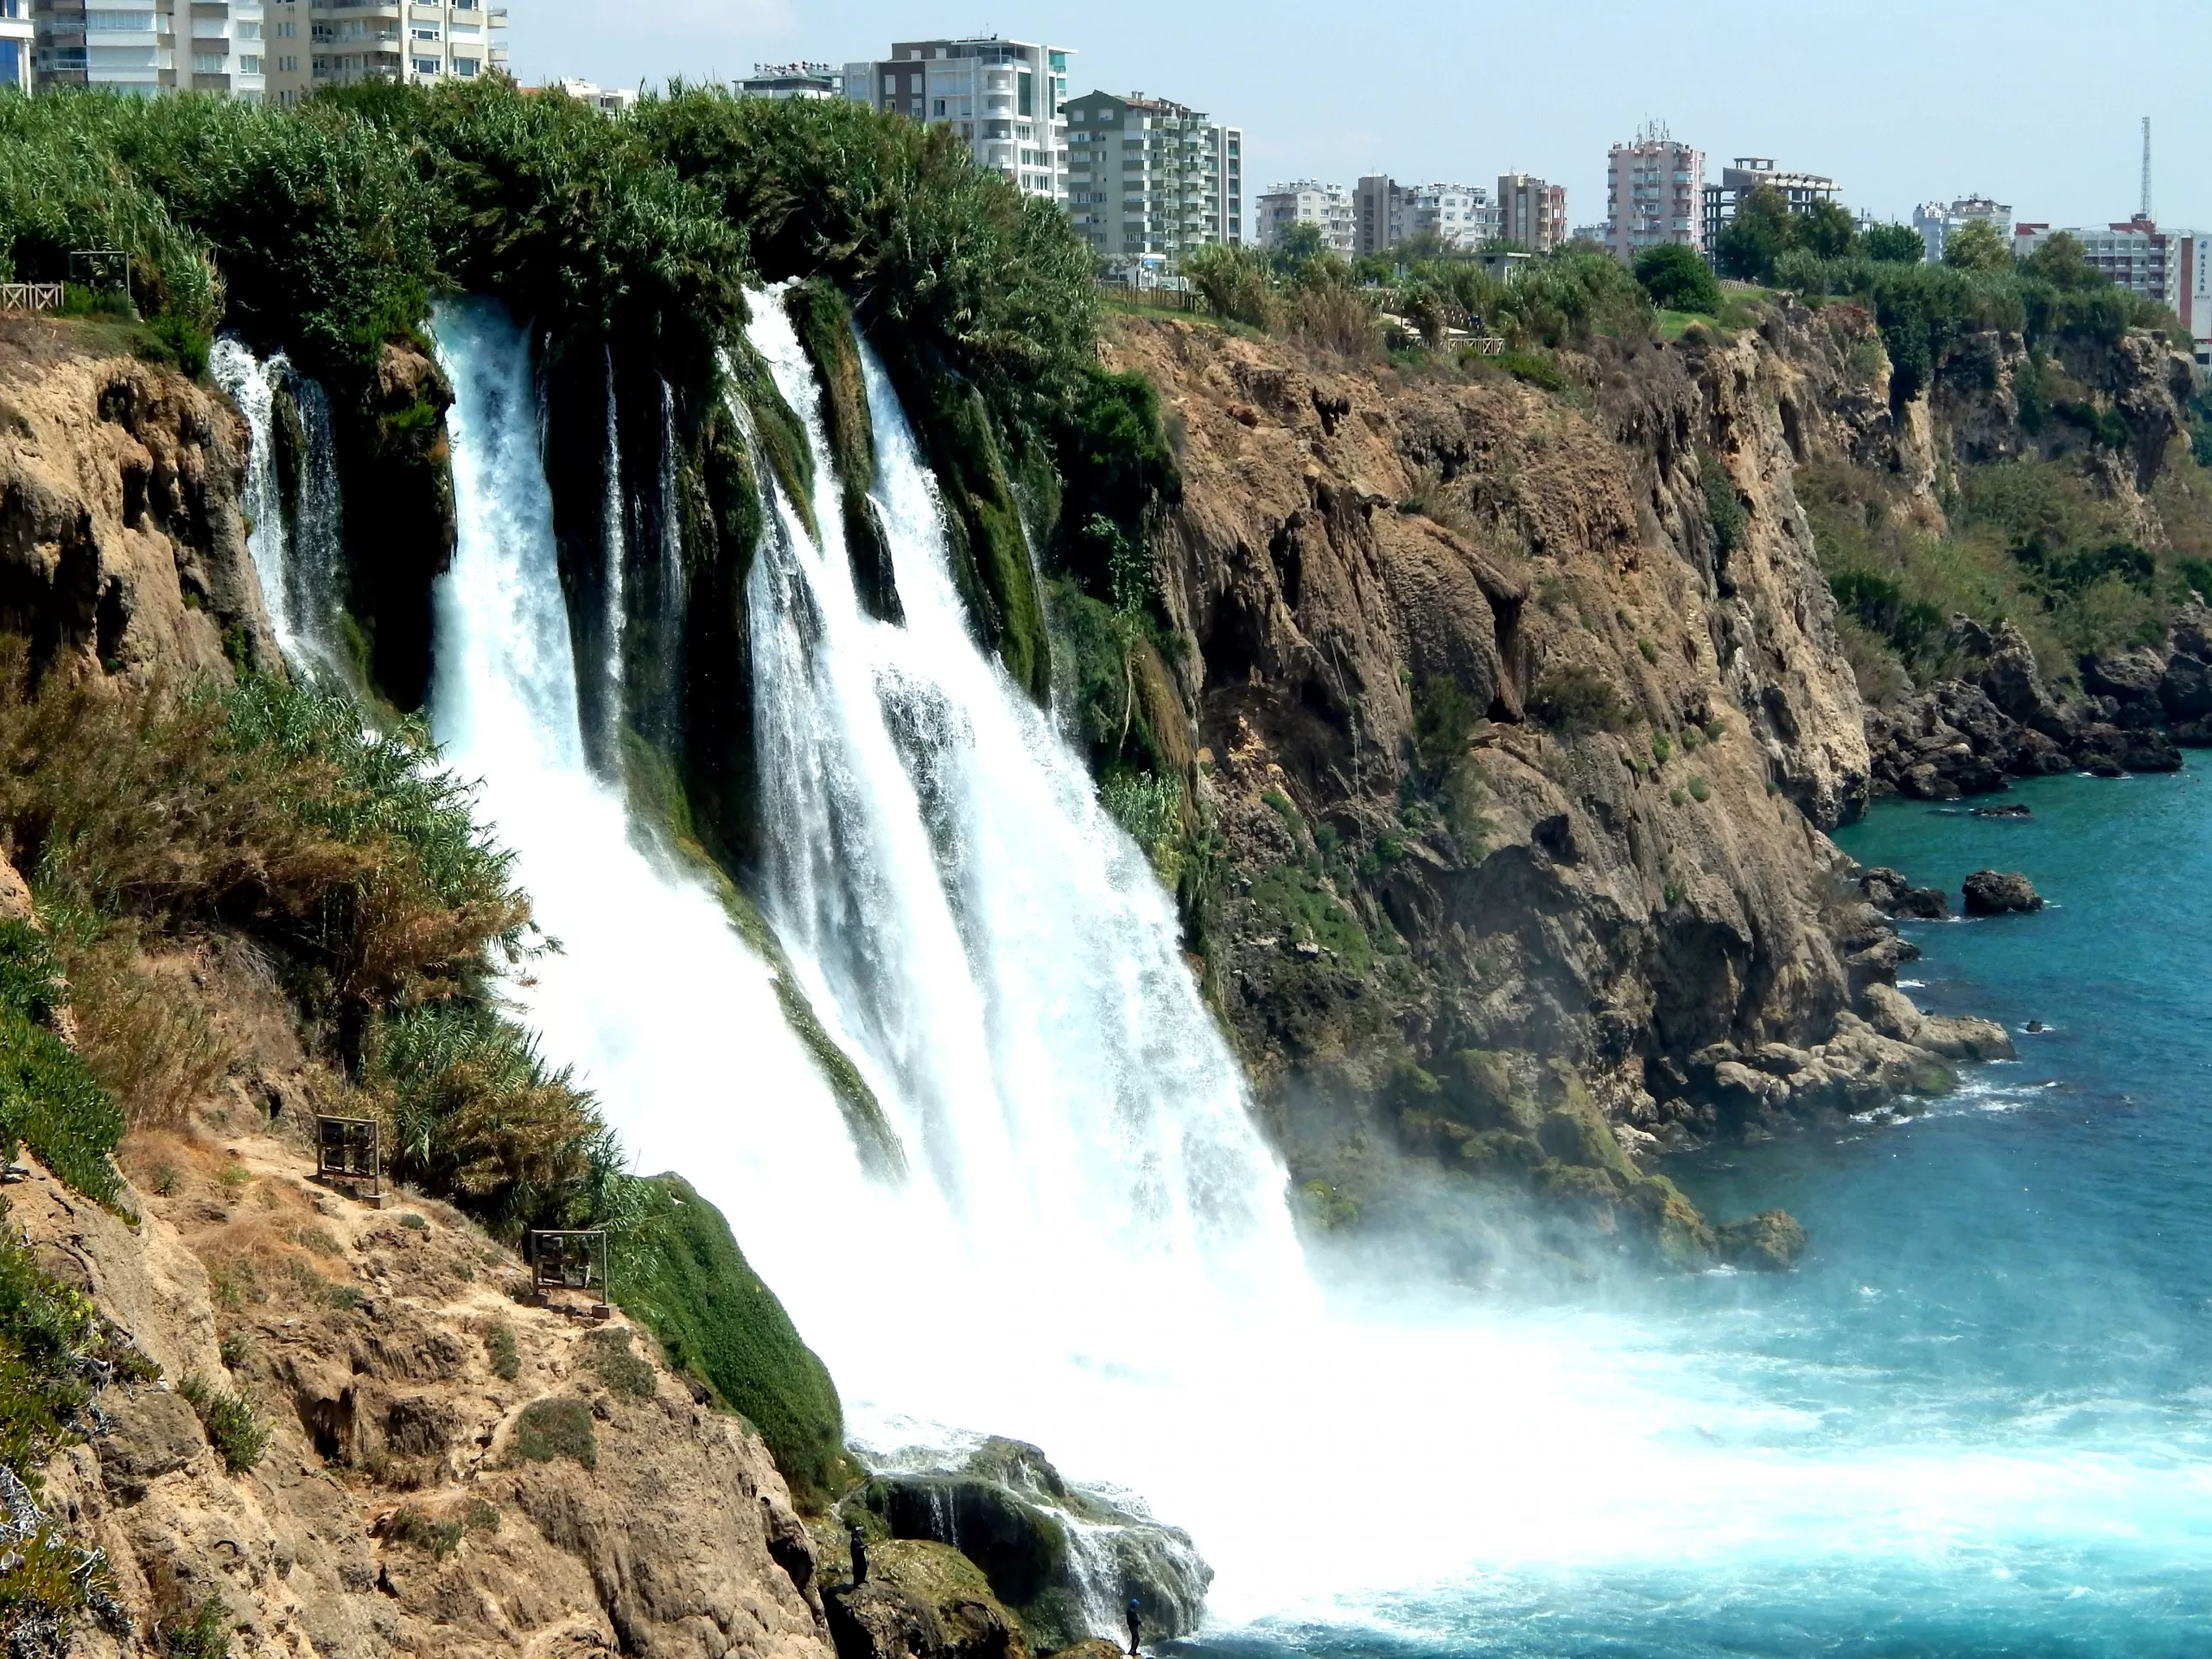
x,y
554,1428
1574,699
230,1422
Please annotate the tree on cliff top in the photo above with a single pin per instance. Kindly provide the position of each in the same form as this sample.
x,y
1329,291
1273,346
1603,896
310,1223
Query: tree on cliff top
x,y
1677,279
1977,246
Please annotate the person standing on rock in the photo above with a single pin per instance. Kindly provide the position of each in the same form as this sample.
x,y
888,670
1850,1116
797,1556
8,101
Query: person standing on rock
x,y
1136,1626
860,1558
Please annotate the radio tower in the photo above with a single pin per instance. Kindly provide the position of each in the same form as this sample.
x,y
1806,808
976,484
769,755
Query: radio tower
x,y
2145,213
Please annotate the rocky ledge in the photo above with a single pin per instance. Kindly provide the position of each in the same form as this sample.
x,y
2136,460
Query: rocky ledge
x,y
1999,719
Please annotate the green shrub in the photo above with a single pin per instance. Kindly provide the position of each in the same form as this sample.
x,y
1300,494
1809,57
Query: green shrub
x,y
1723,507
1573,698
499,1349
679,1273
1446,719
240,1436
1677,278
558,1427
203,1632
49,1100
608,1352
1699,790
1646,649
1662,746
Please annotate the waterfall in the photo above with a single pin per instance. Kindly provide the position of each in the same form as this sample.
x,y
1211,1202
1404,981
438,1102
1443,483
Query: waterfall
x,y
298,549
651,995
615,542
1005,960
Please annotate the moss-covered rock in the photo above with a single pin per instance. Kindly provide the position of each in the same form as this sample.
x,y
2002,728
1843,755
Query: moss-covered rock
x,y
824,323
921,1600
394,467
1010,1512
678,1272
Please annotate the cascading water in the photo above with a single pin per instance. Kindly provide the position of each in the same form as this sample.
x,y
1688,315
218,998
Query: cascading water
x,y
614,538
297,548
1092,1250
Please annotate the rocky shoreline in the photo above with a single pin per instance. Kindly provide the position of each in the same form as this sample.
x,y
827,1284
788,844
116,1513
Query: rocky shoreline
x,y
1999,719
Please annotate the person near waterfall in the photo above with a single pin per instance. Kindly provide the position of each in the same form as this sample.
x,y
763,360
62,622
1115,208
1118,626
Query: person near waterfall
x,y
1136,1626
860,1558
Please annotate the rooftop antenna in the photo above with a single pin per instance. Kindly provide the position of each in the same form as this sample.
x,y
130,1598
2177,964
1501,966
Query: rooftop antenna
x,y
2145,213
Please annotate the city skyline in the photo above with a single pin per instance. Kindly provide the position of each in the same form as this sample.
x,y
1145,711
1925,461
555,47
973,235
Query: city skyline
x,y
1906,104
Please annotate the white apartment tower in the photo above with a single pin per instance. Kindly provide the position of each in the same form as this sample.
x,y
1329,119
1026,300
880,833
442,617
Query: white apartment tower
x,y
16,40
1386,212
1328,205
1146,176
150,46
1654,192
318,43
1934,220
1003,97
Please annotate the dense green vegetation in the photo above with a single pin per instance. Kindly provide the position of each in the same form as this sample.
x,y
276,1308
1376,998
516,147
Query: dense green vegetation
x,y
679,1272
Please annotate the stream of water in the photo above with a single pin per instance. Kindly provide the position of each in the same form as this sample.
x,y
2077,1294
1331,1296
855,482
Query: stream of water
x,y
1974,1422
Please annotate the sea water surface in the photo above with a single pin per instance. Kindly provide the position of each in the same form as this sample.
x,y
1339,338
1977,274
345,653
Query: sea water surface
x,y
1978,1419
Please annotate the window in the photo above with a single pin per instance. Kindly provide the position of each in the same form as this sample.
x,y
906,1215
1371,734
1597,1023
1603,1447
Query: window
x,y
426,66
121,22
249,63
209,63
247,31
467,68
1026,96
426,34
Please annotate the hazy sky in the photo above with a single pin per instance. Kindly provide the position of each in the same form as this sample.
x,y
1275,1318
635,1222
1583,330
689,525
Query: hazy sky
x,y
2035,102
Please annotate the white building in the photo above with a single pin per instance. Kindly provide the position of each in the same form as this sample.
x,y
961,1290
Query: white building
x,y
607,100
1002,97
150,46
16,38
1935,221
2168,266
1328,205
804,78
1386,212
1654,194
318,43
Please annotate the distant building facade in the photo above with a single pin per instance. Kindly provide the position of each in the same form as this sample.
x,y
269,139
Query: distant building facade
x,y
2167,266
1149,178
1002,98
607,100
1531,212
147,47
805,78
1386,212
1305,201
17,35
318,43
1935,221
1801,192
1654,194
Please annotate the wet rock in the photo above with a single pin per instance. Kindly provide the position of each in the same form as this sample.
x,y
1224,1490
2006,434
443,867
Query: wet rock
x,y
1052,1551
1771,1241
1888,891
1993,892
923,1600
2013,811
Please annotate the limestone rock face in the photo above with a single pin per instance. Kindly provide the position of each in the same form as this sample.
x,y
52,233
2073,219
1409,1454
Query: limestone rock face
x,y
1521,720
393,1511
122,544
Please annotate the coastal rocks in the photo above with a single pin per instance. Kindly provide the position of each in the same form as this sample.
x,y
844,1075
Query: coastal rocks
x,y
1064,1558
1974,736
921,1600
1772,1240
1889,892
1992,893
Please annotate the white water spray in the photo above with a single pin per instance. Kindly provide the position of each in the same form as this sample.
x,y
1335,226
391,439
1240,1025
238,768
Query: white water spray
x,y
299,556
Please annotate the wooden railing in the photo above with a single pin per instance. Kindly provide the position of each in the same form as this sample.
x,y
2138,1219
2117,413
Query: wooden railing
x,y
30,296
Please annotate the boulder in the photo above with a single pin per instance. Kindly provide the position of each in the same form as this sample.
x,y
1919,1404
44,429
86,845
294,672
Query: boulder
x,y
152,1433
1771,1241
15,895
1993,892
923,1600
2125,676
1888,891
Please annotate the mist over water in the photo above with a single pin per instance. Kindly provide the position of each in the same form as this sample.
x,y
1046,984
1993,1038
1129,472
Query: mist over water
x,y
1976,1422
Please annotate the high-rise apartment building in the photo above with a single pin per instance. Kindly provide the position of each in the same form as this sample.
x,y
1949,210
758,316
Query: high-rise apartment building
x,y
1003,97
150,46
318,43
1800,191
1531,212
1386,212
1935,221
1654,192
1146,176
1328,205
15,39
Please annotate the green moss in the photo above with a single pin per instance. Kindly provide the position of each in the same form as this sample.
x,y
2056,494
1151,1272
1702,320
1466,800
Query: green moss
x,y
500,1351
552,1429
778,429
680,1274
824,323
1298,903
608,1352
49,1100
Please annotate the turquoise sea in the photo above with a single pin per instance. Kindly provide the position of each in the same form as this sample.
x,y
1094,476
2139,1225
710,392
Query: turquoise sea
x,y
1978,1419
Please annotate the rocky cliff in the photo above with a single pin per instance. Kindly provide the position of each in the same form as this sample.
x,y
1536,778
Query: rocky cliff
x,y
1521,716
